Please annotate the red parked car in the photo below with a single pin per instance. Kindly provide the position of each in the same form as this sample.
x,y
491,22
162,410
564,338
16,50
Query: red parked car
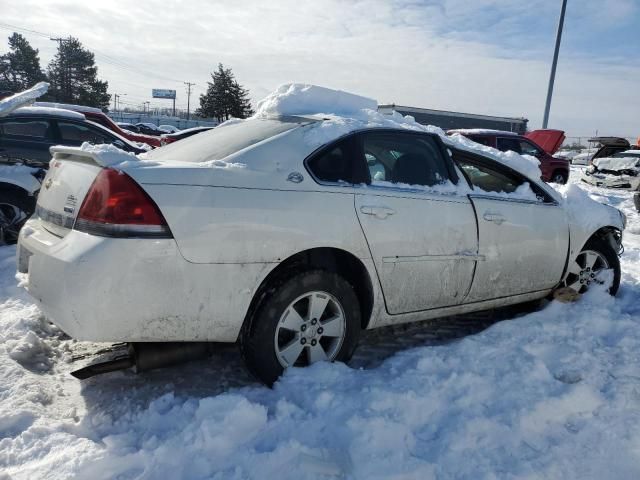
x,y
96,115
541,144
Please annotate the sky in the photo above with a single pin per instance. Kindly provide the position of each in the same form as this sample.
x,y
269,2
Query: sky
x,y
487,56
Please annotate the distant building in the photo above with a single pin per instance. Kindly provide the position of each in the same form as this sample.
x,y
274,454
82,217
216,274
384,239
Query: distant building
x,y
449,120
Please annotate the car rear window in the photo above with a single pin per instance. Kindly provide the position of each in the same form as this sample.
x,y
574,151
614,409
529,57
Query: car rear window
x,y
223,141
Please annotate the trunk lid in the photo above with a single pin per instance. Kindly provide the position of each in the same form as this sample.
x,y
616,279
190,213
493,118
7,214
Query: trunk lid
x,y
71,174
547,139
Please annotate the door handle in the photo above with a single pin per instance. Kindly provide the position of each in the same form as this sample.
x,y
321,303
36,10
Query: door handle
x,y
377,211
496,218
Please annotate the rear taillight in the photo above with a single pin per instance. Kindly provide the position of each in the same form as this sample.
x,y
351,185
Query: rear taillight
x,y
116,206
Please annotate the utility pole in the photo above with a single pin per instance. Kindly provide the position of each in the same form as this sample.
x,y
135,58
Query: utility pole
x,y
552,76
116,97
189,85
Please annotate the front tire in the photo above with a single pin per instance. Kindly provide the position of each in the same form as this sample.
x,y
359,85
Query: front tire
x,y
312,316
596,256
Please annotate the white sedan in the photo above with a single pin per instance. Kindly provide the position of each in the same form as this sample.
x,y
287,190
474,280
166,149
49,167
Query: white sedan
x,y
621,170
272,233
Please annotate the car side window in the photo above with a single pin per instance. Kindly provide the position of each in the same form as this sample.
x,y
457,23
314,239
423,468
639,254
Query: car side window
x,y
335,164
505,144
400,159
482,140
489,179
26,128
74,132
527,148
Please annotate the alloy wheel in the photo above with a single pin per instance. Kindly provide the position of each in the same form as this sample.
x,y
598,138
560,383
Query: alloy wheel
x,y
587,269
311,329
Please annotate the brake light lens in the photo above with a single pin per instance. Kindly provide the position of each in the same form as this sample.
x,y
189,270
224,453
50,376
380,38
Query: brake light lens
x,y
116,206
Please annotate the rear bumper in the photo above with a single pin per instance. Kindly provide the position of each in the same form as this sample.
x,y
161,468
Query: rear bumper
x,y
134,290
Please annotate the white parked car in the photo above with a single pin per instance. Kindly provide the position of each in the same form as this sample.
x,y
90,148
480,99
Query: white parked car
x,y
621,170
169,128
272,232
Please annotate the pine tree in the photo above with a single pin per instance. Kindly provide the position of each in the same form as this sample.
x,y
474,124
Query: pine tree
x,y
225,97
73,76
20,68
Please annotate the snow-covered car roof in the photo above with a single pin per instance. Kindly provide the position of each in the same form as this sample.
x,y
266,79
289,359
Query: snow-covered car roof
x,y
47,111
68,106
480,131
326,115
617,163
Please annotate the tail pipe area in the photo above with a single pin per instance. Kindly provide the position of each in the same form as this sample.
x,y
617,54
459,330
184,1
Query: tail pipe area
x,y
148,356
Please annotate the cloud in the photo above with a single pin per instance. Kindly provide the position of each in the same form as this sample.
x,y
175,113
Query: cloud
x,y
488,56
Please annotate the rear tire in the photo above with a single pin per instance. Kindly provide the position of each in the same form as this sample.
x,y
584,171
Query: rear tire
x,y
313,315
559,177
16,206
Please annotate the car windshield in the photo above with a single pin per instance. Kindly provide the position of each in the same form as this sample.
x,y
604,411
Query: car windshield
x,y
223,141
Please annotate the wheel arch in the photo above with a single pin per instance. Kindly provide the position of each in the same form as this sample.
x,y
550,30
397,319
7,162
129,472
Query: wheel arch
x,y
609,233
331,259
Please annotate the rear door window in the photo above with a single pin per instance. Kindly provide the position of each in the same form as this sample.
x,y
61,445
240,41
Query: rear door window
x,y
77,133
403,159
25,128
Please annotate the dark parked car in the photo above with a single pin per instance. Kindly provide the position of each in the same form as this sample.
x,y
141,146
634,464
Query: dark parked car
x,y
149,129
172,137
97,116
27,133
25,137
541,144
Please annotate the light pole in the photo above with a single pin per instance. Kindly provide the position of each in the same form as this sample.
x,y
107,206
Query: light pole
x,y
552,76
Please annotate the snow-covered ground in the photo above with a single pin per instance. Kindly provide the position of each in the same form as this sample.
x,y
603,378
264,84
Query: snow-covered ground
x,y
554,393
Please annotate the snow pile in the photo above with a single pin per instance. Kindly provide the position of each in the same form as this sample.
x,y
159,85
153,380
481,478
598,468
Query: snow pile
x,y
105,155
525,164
616,164
301,99
441,188
26,97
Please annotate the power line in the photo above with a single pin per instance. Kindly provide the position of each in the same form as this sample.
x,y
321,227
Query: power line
x,y
108,59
